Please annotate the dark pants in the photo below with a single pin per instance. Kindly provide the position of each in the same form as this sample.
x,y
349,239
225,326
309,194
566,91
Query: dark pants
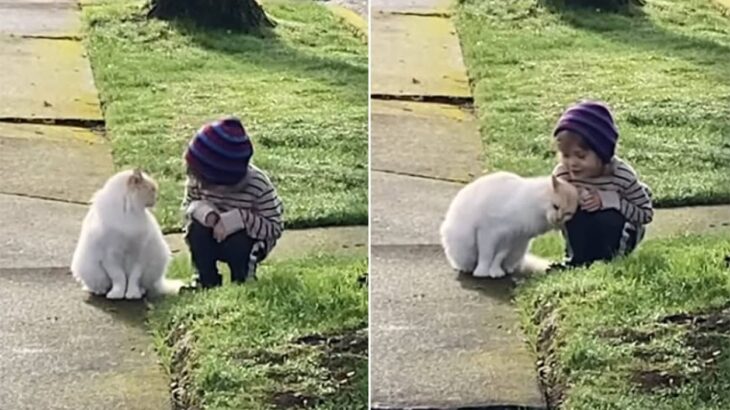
x,y
235,250
598,236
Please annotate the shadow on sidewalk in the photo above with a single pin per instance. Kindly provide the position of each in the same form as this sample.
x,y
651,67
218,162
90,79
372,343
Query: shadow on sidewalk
x,y
129,312
499,289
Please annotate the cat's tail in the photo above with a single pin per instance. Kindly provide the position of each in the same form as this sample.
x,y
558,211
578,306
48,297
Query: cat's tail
x,y
534,264
166,286
460,247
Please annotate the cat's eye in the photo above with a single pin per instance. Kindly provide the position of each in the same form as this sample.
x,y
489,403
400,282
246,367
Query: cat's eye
x,y
555,207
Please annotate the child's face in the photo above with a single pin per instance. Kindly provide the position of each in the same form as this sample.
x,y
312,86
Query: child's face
x,y
577,157
208,186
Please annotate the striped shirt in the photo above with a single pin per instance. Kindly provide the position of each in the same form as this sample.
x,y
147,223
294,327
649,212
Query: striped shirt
x,y
254,200
619,189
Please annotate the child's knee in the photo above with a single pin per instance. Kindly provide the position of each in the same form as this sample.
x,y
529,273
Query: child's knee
x,y
197,233
610,220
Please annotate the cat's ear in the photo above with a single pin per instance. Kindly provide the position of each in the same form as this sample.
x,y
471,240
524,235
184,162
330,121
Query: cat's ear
x,y
556,183
136,177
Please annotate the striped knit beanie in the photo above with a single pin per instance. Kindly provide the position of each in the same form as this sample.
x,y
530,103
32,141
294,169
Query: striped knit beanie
x,y
593,121
220,152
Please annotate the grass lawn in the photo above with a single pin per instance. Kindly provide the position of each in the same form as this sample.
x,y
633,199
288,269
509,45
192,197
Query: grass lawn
x,y
302,95
295,337
651,331
664,72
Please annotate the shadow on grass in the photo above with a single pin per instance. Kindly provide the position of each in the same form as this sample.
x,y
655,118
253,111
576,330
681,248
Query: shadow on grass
x,y
633,28
270,52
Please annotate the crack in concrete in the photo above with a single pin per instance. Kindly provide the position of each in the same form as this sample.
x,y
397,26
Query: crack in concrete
x,y
44,198
51,37
409,174
440,14
65,269
90,124
458,101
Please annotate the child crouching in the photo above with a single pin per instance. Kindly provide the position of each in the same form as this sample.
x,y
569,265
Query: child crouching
x,y
615,206
234,214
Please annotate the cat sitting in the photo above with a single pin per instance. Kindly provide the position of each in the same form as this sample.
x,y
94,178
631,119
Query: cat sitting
x,y
121,252
491,222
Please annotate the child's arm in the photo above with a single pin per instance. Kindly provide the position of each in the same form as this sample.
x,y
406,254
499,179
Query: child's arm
x,y
263,223
194,206
634,202
266,223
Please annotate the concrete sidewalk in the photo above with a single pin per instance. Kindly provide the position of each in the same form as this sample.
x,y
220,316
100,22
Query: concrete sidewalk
x,y
438,341
59,348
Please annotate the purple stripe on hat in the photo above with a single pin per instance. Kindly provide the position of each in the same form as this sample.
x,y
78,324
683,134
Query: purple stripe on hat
x,y
209,157
595,126
231,134
223,147
596,113
593,121
232,126
221,151
208,174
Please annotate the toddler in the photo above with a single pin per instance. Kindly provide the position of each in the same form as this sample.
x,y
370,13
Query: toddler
x,y
233,212
615,206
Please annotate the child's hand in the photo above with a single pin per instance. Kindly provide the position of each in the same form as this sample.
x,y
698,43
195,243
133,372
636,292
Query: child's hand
x,y
212,219
219,232
591,202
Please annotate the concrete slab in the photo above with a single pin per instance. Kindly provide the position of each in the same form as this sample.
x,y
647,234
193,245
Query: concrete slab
x,y
725,4
356,19
64,163
349,240
60,350
416,55
46,79
36,233
412,6
40,18
407,210
430,140
690,220
441,342
360,7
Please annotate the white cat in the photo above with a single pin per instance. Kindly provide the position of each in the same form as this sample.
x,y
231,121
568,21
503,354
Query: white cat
x,y
121,251
491,222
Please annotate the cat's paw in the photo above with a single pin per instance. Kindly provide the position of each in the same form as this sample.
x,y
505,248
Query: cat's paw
x,y
489,273
134,293
94,292
115,293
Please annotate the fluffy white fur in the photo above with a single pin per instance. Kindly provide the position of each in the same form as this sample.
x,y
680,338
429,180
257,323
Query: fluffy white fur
x,y
121,252
491,222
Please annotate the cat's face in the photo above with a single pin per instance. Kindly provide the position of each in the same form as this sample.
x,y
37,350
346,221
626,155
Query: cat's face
x,y
564,202
143,188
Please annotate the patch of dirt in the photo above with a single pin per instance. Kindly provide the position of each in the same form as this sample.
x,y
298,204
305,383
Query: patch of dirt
x,y
652,380
548,369
704,333
293,400
337,354
262,356
628,335
182,397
